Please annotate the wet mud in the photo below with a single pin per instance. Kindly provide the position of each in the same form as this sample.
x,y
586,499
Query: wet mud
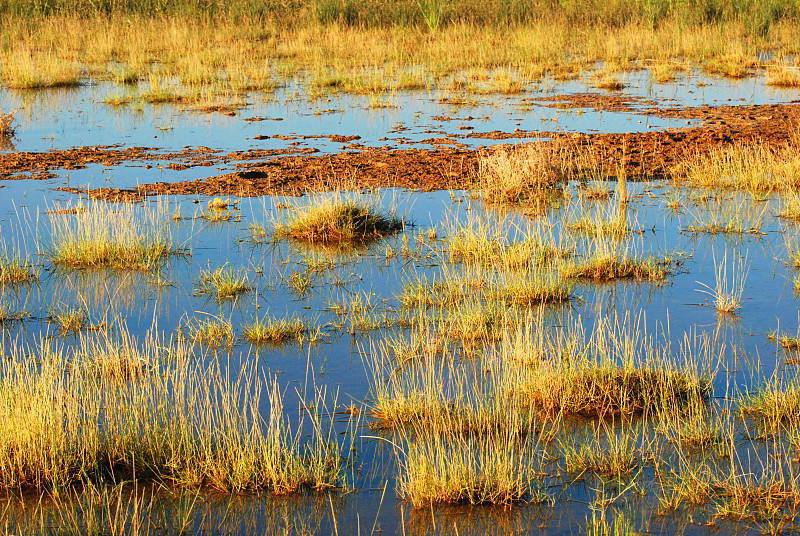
x,y
446,165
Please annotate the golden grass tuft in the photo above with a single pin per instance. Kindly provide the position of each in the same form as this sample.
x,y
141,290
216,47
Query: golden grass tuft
x,y
464,468
14,270
275,331
783,76
118,236
776,401
519,174
338,219
223,283
610,266
726,294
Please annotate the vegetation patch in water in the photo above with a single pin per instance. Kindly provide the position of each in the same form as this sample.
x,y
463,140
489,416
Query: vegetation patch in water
x,y
338,221
113,236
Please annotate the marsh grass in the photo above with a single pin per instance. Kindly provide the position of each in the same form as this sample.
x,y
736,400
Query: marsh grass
x,y
726,294
496,428
521,174
607,262
70,320
783,76
7,128
25,68
604,450
774,401
224,282
618,370
790,206
9,315
607,220
512,288
609,82
185,426
758,167
276,331
118,236
665,71
338,219
213,332
220,210
732,215
596,191
117,355
16,270
464,468
502,245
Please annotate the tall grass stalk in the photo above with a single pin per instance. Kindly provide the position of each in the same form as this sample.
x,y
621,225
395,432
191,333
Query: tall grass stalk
x,y
726,294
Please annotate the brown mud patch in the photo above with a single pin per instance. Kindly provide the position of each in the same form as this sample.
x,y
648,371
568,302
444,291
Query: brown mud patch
x,y
649,154
607,103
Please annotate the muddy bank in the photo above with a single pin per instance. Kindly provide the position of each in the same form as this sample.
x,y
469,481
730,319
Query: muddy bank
x,y
293,171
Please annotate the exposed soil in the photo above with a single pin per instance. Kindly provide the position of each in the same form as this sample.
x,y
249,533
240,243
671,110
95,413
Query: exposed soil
x,y
293,171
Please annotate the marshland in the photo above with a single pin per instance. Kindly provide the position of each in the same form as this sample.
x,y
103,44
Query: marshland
x,y
433,267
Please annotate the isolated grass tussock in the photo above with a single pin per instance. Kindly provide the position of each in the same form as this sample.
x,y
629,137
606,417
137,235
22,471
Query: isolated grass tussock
x,y
342,220
520,174
275,331
223,283
118,236
184,426
726,294
610,266
14,270
212,332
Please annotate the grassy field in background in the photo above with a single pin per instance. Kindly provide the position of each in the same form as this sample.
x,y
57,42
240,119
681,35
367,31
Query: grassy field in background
x,y
371,46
